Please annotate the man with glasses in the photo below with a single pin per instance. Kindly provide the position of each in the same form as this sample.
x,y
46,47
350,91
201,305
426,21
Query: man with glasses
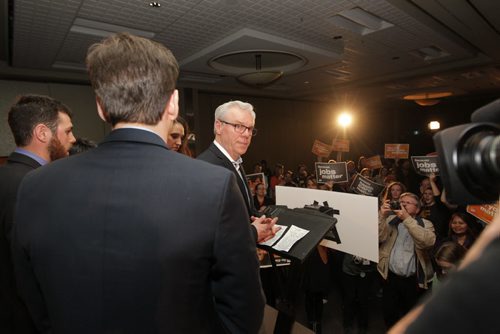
x,y
404,261
234,127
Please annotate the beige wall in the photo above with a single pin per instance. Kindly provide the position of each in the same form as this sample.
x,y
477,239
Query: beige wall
x,y
79,98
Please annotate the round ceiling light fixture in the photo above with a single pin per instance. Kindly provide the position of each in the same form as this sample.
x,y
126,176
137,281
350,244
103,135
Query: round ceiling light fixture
x,y
427,99
257,68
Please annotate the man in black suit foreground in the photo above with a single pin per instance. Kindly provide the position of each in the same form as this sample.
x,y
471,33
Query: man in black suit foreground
x,y
131,237
42,131
234,127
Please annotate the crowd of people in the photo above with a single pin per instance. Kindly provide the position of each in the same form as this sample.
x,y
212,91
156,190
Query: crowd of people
x,y
430,232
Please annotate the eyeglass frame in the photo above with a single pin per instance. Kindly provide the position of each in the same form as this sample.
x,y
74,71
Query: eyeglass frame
x,y
252,130
415,204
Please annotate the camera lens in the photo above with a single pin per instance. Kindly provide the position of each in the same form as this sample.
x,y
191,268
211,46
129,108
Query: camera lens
x,y
478,162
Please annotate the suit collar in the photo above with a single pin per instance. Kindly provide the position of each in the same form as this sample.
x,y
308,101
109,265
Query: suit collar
x,y
15,157
32,155
134,135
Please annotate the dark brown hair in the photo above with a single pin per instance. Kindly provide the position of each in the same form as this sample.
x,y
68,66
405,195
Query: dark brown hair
x,y
133,78
29,111
184,148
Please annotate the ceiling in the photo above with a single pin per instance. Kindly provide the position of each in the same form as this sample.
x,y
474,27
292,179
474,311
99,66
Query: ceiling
x,y
422,45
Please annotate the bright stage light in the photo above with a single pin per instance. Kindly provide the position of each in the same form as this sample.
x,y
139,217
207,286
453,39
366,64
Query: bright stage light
x,y
344,119
434,125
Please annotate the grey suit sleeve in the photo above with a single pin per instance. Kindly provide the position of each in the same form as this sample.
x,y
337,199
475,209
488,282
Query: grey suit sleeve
x,y
235,274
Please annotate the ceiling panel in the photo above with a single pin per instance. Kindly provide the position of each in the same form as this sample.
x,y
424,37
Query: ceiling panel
x,y
382,60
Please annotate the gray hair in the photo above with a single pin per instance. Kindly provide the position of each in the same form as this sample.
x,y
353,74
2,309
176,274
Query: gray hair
x,y
224,108
412,195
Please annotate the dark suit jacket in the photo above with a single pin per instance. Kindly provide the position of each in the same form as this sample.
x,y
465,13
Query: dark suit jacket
x,y
14,317
133,238
214,156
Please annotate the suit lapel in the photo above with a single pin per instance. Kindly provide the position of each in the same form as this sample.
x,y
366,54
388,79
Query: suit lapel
x,y
239,178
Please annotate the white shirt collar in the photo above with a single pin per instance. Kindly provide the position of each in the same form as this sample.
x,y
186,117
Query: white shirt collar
x,y
223,150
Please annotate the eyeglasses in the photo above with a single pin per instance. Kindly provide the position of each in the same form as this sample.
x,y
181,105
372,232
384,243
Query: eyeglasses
x,y
240,128
408,203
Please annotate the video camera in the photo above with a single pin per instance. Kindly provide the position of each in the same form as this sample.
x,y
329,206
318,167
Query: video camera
x,y
469,157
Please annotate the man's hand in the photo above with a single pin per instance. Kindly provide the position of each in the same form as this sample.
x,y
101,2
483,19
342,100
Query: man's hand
x,y
265,227
402,214
385,209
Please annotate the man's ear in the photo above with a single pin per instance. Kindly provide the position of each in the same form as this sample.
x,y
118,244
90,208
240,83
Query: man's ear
x,y
42,133
102,114
217,127
172,108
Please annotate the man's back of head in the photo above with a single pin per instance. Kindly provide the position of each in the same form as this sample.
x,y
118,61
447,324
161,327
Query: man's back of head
x,y
133,78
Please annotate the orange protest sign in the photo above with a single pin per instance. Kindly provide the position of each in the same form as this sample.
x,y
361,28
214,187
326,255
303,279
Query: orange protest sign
x,y
397,151
373,162
485,212
340,145
321,149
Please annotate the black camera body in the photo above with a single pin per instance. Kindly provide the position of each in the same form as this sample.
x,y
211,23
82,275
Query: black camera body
x,y
395,205
469,157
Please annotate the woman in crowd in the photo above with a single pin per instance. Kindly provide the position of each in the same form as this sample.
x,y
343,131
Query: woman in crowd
x,y
278,179
448,257
260,200
176,140
393,191
311,182
462,230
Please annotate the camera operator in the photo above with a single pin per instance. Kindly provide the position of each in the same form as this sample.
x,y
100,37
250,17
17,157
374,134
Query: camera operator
x,y
404,261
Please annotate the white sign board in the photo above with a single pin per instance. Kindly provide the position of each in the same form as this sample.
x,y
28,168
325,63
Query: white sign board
x,y
357,221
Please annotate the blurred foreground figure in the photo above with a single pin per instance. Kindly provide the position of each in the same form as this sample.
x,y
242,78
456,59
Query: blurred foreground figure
x,y
468,302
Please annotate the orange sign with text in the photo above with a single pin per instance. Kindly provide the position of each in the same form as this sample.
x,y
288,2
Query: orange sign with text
x,y
373,162
321,149
485,212
397,151
340,145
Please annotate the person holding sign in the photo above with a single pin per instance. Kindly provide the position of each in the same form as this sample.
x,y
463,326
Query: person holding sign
x,y
404,257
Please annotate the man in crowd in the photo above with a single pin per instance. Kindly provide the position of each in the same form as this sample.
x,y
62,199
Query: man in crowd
x,y
42,131
234,127
131,237
434,210
404,261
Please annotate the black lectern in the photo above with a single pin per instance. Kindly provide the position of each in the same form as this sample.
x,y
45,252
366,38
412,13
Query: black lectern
x,y
318,224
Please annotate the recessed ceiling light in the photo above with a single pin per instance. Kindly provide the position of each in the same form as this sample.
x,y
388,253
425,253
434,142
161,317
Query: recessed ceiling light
x,y
102,29
359,21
